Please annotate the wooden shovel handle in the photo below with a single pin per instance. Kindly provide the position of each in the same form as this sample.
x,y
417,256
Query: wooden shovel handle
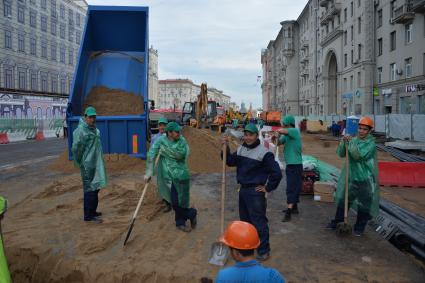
x,y
223,187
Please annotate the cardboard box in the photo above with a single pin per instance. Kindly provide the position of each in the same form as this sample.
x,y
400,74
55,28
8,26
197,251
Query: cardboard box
x,y
324,191
324,198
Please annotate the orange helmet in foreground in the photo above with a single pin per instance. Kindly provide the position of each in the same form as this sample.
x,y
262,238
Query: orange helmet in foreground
x,y
241,235
366,121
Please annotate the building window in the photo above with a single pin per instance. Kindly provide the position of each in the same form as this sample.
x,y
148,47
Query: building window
x,y
22,79
379,46
53,8
62,31
62,11
379,24
392,7
43,23
21,43
345,84
21,14
63,86
70,17
53,52
43,4
44,49
33,46
359,24
345,15
62,55
408,33
33,19
78,37
352,56
359,3
393,70
77,19
71,57
405,105
53,27
352,9
43,81
8,77
71,34
408,67
7,4
345,60
352,33
345,37
54,84
7,39
359,52
393,38
34,81
351,82
380,75
359,79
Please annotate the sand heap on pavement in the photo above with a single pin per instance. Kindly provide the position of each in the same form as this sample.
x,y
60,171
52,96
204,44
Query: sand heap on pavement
x,y
114,102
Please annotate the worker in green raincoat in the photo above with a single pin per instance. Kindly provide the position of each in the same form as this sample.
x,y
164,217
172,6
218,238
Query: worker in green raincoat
x,y
4,270
173,174
88,156
363,183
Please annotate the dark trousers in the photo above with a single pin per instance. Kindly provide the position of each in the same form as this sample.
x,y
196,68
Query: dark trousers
x,y
91,201
181,214
362,218
252,209
294,182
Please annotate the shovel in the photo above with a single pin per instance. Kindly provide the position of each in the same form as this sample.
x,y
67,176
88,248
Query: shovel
x,y
219,252
130,228
344,228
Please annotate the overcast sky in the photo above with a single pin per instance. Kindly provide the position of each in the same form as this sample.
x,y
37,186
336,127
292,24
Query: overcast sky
x,y
215,41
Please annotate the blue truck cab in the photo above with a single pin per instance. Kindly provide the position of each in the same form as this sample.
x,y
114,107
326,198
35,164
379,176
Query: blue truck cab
x,y
114,53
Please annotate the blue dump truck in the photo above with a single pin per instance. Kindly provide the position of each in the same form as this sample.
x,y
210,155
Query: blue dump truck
x,y
113,55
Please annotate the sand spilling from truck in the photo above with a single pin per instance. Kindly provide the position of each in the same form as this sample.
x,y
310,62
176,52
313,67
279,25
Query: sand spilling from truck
x,y
114,102
204,157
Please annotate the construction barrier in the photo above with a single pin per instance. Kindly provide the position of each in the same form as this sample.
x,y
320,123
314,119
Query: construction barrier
x,y
29,129
402,174
4,138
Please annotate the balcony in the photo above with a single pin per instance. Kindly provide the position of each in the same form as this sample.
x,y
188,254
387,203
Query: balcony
x,y
323,3
330,13
403,14
330,36
418,6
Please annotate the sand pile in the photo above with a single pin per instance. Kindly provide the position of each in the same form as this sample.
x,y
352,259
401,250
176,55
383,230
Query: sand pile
x,y
114,102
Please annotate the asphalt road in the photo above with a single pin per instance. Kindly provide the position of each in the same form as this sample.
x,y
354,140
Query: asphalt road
x,y
24,153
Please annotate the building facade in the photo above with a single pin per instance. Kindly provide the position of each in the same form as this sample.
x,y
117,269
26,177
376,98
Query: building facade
x,y
354,57
218,96
153,75
39,43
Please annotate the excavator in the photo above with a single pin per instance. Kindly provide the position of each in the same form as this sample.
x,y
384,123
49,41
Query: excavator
x,y
201,113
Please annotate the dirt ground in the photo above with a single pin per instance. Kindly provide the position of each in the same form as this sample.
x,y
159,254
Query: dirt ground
x,y
47,241
412,199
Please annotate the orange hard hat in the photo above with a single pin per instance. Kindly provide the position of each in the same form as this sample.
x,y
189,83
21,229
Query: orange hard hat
x,y
241,235
366,121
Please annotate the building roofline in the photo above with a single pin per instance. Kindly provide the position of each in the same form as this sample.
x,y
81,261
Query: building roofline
x,y
305,9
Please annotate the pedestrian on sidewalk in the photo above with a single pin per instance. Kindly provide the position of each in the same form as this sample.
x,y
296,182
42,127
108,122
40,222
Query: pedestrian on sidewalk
x,y
162,123
4,269
363,186
173,175
242,239
65,129
88,156
257,174
290,137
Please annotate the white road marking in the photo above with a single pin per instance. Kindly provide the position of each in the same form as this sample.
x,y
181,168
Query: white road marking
x,y
27,162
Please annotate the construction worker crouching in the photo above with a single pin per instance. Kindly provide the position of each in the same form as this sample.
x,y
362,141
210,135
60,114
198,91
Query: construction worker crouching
x,y
363,186
242,239
162,123
88,156
257,174
173,174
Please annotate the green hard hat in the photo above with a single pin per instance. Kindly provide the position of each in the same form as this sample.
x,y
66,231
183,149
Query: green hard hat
x,y
163,120
288,120
251,128
3,205
90,111
173,127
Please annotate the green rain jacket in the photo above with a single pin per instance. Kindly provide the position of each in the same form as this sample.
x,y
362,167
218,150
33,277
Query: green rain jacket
x,y
4,270
363,182
172,168
88,156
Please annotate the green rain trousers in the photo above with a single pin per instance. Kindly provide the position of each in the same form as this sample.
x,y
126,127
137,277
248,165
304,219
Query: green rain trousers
x,y
172,168
88,156
363,182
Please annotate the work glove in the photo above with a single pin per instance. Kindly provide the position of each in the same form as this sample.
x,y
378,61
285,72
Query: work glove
x,y
147,178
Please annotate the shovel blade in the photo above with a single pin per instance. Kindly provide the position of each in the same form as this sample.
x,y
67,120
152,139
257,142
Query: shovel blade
x,y
219,254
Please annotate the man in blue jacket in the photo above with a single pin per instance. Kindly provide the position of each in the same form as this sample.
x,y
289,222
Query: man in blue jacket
x,y
257,174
